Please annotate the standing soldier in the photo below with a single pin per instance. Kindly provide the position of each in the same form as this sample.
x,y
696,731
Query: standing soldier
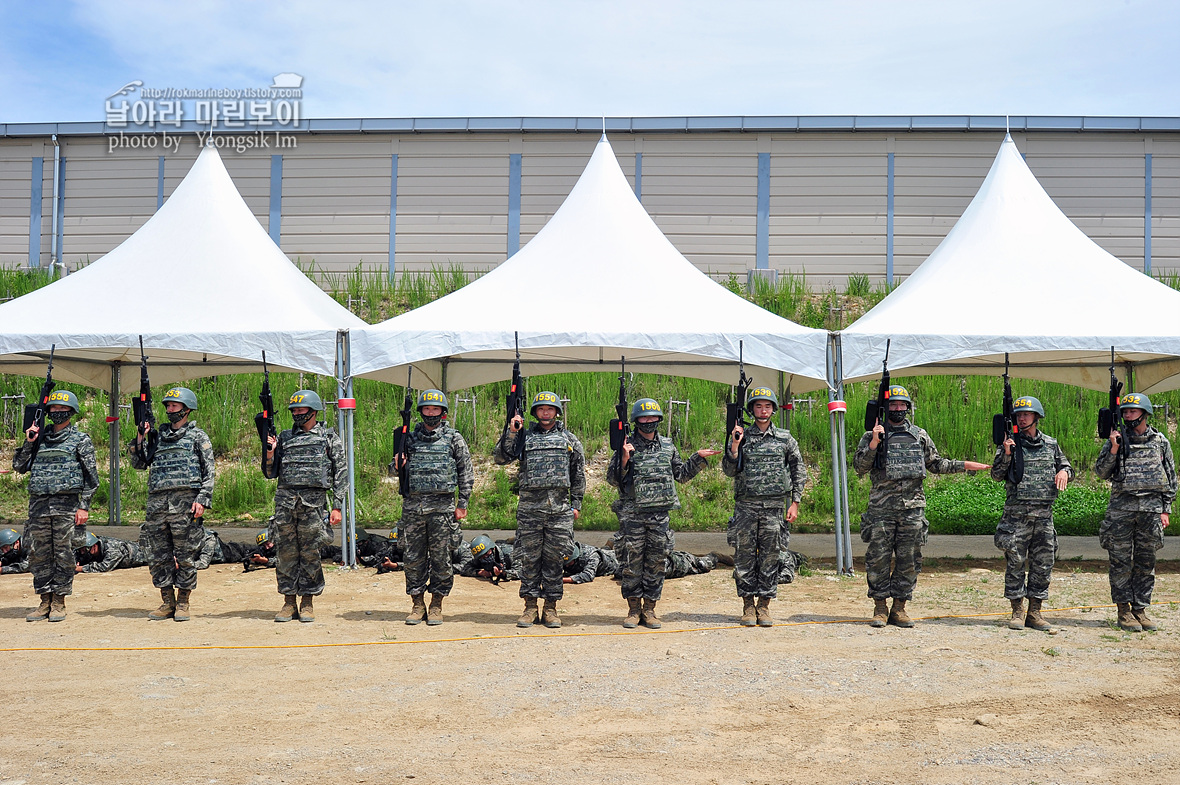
x,y
63,480
438,464
180,489
894,525
1141,494
308,461
646,471
1025,533
767,469
552,483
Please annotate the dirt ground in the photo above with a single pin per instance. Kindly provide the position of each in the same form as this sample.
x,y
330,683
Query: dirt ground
x,y
359,697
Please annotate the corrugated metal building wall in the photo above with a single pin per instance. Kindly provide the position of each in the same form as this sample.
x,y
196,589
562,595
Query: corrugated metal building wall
x,y
731,195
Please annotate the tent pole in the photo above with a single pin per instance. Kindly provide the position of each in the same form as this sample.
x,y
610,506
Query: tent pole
x,y
843,461
114,492
837,507
344,425
784,390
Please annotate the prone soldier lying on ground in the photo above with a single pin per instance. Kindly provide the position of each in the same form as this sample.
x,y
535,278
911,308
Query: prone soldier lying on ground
x,y
215,550
490,560
263,555
103,554
14,551
588,562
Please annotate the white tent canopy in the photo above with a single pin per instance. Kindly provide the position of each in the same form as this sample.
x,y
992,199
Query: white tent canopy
x,y
1015,275
201,281
599,281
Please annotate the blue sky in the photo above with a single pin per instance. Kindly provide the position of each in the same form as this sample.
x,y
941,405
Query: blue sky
x,y
59,61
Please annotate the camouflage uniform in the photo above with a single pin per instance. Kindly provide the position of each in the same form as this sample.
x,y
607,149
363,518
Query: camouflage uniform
x,y
310,465
64,479
215,550
591,563
266,550
552,484
16,561
113,554
894,525
647,493
1132,530
439,465
682,563
1025,533
180,475
772,471
501,556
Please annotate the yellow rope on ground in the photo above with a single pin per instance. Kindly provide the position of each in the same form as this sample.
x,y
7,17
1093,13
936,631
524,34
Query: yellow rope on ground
x,y
519,636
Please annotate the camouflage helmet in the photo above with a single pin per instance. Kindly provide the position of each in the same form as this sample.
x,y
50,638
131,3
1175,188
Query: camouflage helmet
x,y
761,394
646,407
899,393
1135,401
182,395
1027,403
90,541
481,546
306,398
9,537
262,537
393,535
63,398
546,398
432,397
575,553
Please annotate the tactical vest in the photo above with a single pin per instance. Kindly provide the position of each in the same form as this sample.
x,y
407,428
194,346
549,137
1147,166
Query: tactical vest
x,y
652,485
1145,466
56,469
431,468
1039,471
305,460
176,464
764,472
905,459
547,462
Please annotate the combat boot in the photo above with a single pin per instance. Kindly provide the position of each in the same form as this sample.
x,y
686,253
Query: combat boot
x,y
749,615
880,613
632,620
647,616
529,617
306,609
57,607
181,613
1127,620
1017,620
1147,624
1035,621
897,615
167,607
722,558
549,615
435,616
762,612
418,612
288,612
42,610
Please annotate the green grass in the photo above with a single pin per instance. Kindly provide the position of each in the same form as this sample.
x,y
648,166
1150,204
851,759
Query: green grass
x,y
956,411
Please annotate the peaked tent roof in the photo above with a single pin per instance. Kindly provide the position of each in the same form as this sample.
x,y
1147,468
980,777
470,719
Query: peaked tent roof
x,y
201,281
599,281
1015,275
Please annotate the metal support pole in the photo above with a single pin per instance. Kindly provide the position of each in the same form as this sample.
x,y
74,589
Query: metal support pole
x,y
837,506
114,506
842,463
786,407
344,420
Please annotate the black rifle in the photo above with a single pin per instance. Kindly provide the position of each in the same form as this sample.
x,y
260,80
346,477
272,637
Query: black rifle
x,y
515,402
1004,425
35,412
401,437
619,427
1109,419
878,411
735,413
264,421
141,412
